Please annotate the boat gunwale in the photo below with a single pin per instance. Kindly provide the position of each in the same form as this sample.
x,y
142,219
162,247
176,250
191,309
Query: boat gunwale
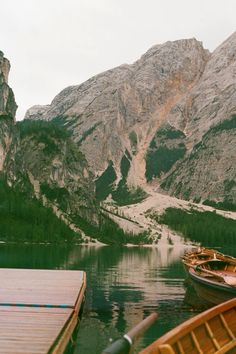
x,y
213,254
191,324
212,283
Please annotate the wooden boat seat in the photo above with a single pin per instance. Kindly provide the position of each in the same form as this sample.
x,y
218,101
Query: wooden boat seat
x,y
230,277
226,273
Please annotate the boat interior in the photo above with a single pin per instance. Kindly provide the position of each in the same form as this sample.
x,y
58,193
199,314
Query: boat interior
x,y
213,331
216,265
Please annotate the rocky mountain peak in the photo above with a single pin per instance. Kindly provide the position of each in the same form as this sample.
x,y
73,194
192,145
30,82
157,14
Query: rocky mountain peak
x,y
228,46
181,44
7,109
130,99
213,97
4,68
223,56
137,123
7,100
160,60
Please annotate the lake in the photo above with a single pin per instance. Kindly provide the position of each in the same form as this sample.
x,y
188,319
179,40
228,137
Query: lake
x,y
124,285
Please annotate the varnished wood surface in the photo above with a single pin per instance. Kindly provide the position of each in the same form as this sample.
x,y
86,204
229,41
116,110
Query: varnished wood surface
x,y
38,309
213,331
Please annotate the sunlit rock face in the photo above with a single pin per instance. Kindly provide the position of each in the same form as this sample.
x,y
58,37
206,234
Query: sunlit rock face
x,y
156,117
209,170
122,108
7,109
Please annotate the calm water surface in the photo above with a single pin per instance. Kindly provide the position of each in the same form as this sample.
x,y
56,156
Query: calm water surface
x,y
124,285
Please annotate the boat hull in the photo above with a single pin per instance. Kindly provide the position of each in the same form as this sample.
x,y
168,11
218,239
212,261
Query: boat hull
x,y
210,291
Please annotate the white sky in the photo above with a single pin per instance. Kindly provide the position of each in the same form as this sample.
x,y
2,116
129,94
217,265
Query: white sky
x,y
52,44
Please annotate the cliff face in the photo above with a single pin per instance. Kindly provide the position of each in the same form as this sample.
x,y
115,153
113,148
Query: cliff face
x,y
7,109
41,160
208,173
209,170
118,112
153,121
44,161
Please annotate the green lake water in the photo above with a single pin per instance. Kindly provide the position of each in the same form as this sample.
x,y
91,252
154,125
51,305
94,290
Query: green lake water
x,y
124,285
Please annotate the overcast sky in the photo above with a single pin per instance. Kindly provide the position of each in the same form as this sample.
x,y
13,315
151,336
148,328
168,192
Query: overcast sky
x,y
52,44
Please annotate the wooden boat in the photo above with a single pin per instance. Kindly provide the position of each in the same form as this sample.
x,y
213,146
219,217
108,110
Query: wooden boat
x,y
213,331
202,254
214,281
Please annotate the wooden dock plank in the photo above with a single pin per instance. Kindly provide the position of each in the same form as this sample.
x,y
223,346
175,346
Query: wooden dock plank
x,y
37,333
34,327
40,286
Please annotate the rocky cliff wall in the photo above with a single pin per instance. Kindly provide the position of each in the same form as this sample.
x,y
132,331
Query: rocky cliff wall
x,y
119,116
108,110
41,160
7,109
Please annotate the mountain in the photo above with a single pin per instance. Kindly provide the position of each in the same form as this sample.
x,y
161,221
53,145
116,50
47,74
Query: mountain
x,y
41,170
47,189
133,134
208,171
168,121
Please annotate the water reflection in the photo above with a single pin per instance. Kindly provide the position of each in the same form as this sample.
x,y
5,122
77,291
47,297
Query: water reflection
x,y
124,285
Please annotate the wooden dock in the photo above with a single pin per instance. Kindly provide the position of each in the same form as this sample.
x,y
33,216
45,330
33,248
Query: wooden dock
x,y
39,309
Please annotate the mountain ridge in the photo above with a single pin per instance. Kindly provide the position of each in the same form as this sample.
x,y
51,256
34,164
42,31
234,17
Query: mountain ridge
x,y
137,95
164,123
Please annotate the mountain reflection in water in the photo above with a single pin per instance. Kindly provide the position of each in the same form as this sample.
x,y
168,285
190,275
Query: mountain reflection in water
x,y
124,285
